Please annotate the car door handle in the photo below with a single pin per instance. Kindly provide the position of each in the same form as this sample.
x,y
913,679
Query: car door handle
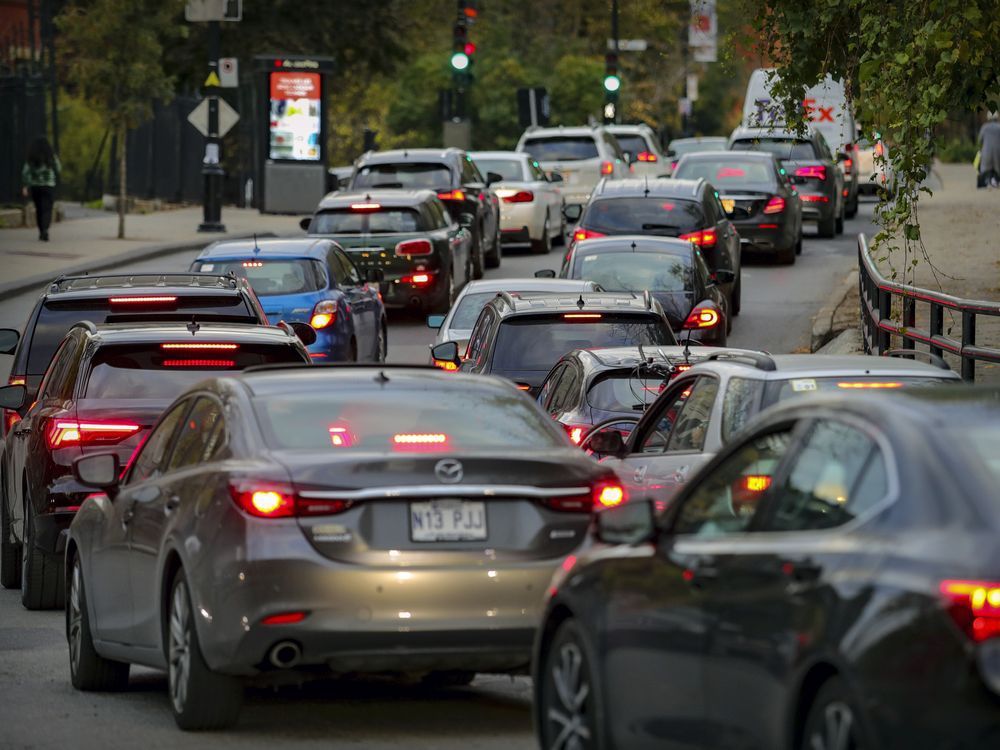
x,y
171,504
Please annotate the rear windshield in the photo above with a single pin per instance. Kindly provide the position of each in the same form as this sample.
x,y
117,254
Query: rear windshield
x,y
271,277
149,371
780,390
404,420
406,175
562,148
634,144
624,392
511,170
56,318
538,342
347,221
634,272
689,147
663,216
728,174
784,148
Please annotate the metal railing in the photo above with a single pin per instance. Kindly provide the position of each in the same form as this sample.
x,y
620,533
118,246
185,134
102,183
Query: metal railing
x,y
878,326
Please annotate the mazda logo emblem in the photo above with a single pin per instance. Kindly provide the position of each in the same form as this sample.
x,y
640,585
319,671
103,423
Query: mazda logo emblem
x,y
448,471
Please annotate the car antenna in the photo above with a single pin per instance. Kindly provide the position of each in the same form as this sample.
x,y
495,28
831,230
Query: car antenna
x,y
580,303
381,378
256,248
687,348
194,326
645,193
633,246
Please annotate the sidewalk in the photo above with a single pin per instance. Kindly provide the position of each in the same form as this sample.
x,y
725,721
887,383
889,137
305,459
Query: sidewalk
x,y
89,244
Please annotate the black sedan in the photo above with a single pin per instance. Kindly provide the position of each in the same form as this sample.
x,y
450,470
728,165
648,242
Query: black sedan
x,y
765,206
830,581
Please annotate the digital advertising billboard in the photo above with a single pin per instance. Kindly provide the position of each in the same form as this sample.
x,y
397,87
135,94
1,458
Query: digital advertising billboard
x,y
296,116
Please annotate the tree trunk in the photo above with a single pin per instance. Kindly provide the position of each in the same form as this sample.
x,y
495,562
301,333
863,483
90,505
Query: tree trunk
x,y
122,192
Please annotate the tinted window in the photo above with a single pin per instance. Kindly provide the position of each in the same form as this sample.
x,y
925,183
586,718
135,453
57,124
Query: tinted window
x,y
149,461
662,216
634,144
60,380
200,436
511,170
688,147
547,393
741,403
404,419
469,308
148,371
343,270
781,390
783,148
538,342
270,277
470,174
562,148
406,175
657,433
566,392
635,272
726,501
729,174
347,221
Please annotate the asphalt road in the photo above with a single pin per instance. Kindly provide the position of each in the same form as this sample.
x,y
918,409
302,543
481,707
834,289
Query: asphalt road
x,y
39,709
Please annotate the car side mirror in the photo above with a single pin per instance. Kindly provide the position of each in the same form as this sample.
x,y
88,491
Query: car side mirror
x,y
12,397
545,273
435,321
8,340
446,356
98,470
631,523
305,332
374,275
607,443
725,276
493,177
573,211
555,177
304,222
629,157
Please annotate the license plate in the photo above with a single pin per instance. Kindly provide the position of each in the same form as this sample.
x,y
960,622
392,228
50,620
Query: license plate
x,y
448,521
728,204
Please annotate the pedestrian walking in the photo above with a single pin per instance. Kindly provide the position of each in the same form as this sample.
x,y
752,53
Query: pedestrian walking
x,y
39,176
989,151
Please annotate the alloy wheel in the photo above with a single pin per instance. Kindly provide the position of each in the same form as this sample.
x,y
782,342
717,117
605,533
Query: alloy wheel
x,y
75,618
837,731
179,653
569,717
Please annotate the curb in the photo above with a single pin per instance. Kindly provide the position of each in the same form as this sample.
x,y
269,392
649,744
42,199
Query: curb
x,y
825,324
146,252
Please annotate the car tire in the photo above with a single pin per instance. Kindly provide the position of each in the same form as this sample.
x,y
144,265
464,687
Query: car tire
x,y
852,207
10,551
444,302
493,260
88,669
839,227
568,695
737,298
827,227
353,353
798,245
832,713
787,256
41,587
477,255
560,241
544,245
200,699
382,342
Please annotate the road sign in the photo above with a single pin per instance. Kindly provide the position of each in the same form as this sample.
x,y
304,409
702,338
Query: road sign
x,y
629,45
229,76
703,31
201,11
212,81
227,117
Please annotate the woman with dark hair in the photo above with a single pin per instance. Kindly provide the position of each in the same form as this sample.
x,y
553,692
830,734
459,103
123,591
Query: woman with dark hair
x,y
39,177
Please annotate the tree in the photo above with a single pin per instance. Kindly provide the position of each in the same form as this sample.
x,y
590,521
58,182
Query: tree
x,y
113,56
906,65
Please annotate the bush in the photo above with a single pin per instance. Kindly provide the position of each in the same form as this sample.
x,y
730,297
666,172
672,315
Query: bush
x,y
957,150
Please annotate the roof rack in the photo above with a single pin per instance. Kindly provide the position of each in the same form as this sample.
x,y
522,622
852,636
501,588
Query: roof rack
x,y
508,298
647,298
914,353
221,279
760,360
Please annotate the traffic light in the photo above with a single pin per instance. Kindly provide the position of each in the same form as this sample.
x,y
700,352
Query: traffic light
x,y
612,84
460,48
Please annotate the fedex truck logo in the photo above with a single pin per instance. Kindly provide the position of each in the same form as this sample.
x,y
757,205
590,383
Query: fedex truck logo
x,y
770,113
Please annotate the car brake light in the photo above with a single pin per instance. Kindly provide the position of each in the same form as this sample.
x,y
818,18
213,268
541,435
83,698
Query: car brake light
x,y
879,148
607,167
582,316
586,234
195,363
452,195
974,606
158,299
730,172
365,207
200,347
848,163
415,247
523,386
417,279
876,384
263,499
419,438
767,226
575,432
702,317
284,618
701,238
817,171
648,156
341,437
775,206
814,199
62,432
324,314
253,264
521,196
608,495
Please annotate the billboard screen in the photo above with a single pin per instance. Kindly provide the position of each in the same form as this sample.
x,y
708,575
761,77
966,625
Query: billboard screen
x,y
296,116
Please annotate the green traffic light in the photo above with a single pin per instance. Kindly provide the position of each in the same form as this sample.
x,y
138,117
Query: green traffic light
x,y
460,61
612,83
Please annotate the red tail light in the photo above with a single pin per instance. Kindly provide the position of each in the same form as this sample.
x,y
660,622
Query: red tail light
x,y
324,314
582,316
200,347
730,172
974,606
420,442
702,238
604,494
253,264
775,206
575,432
196,363
60,433
586,234
417,279
607,167
263,499
608,495
814,199
341,437
452,195
673,164
646,156
415,247
365,207
144,300
284,618
817,172
702,317
521,196
848,163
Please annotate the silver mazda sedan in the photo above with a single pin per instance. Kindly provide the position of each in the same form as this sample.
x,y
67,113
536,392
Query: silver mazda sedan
x,y
326,520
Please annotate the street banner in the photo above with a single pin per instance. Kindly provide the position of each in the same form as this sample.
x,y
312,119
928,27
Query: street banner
x,y
703,31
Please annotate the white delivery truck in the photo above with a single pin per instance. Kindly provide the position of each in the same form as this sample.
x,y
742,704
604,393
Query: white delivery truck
x,y
827,110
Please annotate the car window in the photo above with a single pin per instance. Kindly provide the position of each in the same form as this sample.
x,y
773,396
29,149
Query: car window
x,y
666,217
546,393
633,143
511,170
51,385
727,173
274,276
363,220
408,175
536,172
470,175
838,474
741,403
148,462
727,499
198,437
657,433
635,272
562,148
692,423
441,219
477,350
348,274
565,393
784,148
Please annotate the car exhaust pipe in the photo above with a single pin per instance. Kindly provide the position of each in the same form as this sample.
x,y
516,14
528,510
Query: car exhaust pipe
x,y
285,654
415,301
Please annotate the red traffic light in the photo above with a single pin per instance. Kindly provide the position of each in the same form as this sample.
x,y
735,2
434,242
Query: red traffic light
x,y
470,48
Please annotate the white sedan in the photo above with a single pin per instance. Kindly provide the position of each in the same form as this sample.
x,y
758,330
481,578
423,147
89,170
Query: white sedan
x,y
531,205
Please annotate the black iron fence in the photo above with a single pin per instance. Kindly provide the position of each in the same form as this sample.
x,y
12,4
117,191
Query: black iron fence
x,y
881,320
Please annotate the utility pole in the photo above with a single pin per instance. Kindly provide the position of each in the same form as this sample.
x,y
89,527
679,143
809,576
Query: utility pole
x,y
211,165
612,80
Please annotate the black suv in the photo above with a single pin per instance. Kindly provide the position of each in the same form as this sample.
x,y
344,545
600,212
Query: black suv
x,y
688,209
458,183
105,388
522,338
120,299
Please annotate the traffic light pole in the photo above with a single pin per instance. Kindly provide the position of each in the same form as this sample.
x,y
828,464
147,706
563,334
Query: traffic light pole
x,y
612,78
211,165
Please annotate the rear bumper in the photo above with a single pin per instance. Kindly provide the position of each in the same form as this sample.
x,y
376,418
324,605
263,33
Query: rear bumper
x,y
817,210
521,222
778,233
397,294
